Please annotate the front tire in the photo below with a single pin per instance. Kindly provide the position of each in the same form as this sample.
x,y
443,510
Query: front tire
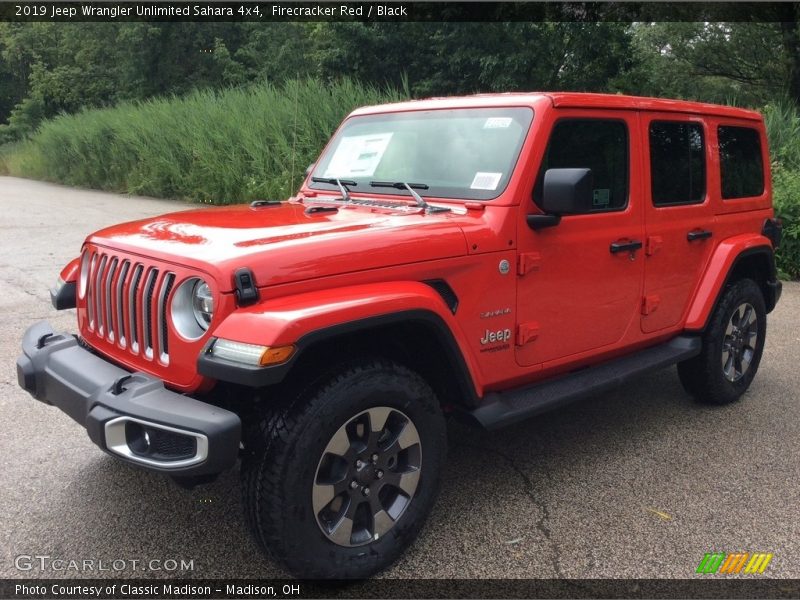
x,y
732,346
338,482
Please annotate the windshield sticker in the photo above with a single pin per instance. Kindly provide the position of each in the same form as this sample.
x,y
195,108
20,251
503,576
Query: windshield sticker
x,y
358,156
485,181
601,197
497,123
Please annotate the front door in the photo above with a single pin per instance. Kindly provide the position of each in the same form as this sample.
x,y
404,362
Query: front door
x,y
580,282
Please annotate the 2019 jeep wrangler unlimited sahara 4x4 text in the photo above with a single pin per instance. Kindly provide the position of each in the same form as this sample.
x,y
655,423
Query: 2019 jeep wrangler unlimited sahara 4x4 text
x,y
491,256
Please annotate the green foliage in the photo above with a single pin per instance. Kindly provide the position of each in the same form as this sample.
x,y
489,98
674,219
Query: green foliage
x,y
220,147
786,195
782,120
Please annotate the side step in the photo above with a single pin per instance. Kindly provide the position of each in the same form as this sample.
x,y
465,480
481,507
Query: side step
x,y
499,409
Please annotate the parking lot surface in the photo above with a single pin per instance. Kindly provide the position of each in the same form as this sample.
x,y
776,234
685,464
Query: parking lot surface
x,y
636,483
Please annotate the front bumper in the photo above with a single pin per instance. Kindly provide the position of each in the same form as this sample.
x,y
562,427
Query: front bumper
x,y
129,415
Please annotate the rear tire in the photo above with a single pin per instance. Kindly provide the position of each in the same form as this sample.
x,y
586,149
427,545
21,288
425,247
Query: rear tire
x,y
732,346
339,481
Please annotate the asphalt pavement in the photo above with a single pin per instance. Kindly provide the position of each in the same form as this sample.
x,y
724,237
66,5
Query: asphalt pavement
x,y
637,483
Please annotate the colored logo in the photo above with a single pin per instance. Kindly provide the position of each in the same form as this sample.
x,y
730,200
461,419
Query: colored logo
x,y
739,562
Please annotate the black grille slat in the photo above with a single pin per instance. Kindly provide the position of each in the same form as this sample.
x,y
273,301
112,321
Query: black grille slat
x,y
147,311
120,293
112,268
133,299
98,296
163,296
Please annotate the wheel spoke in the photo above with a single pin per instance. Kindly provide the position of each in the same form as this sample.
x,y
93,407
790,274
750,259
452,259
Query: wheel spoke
x,y
339,444
727,368
749,317
343,531
408,436
378,417
323,493
729,328
726,354
382,523
408,482
738,362
739,315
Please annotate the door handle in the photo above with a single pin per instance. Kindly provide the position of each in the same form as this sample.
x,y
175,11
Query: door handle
x,y
698,234
630,246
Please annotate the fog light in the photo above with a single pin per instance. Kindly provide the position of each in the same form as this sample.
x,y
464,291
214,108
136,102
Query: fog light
x,y
251,354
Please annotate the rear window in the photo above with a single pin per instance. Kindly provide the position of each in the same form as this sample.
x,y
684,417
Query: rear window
x,y
677,163
741,167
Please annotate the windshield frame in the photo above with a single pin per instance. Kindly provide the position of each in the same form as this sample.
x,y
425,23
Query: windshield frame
x,y
462,194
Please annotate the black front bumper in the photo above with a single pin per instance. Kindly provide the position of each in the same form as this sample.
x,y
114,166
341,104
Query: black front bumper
x,y
119,409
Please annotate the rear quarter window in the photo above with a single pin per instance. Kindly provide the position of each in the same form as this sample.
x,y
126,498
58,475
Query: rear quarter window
x,y
740,162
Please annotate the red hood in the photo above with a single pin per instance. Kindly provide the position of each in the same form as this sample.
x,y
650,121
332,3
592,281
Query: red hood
x,y
283,244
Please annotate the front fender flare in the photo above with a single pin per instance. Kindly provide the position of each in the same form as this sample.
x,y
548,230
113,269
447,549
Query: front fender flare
x,y
305,319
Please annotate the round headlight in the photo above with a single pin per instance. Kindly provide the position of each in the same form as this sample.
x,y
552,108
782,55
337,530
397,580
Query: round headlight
x,y
192,308
202,303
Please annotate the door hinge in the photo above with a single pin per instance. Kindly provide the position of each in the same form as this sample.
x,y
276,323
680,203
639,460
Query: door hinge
x,y
527,262
653,245
527,332
650,303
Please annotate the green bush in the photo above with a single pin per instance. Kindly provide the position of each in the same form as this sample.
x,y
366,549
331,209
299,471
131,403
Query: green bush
x,y
782,120
786,195
220,147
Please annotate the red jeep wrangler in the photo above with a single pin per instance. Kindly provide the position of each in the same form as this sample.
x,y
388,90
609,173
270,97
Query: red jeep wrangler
x,y
492,256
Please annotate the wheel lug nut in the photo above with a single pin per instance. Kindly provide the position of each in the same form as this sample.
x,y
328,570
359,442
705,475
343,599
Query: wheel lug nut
x,y
365,491
353,484
379,474
374,458
359,463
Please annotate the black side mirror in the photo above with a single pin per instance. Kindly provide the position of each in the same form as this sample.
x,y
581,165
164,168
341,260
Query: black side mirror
x,y
564,192
567,191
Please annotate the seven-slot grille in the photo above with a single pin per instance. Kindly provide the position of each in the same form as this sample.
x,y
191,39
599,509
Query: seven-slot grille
x,y
126,304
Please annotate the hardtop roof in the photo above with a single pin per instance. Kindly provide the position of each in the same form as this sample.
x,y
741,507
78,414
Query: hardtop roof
x,y
566,100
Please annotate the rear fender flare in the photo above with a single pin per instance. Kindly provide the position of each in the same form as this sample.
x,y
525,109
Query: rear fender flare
x,y
722,263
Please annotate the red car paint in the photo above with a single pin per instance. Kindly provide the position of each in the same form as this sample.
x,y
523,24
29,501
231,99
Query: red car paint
x,y
564,302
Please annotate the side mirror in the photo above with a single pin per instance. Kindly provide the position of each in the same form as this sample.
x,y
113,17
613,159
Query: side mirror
x,y
567,191
564,192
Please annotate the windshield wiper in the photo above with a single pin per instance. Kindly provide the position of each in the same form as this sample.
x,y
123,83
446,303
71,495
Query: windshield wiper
x,y
402,185
342,183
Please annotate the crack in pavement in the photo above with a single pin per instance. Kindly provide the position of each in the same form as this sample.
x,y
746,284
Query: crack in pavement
x,y
542,523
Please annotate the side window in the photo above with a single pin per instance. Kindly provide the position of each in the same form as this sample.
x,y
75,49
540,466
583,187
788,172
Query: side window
x,y
601,146
741,167
677,163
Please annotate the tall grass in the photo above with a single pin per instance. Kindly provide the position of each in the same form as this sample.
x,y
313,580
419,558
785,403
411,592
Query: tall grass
x,y
220,147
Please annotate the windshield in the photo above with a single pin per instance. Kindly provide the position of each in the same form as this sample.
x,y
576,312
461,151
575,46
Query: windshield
x,y
460,153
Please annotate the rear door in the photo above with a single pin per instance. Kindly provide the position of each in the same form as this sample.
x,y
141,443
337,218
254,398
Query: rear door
x,y
679,219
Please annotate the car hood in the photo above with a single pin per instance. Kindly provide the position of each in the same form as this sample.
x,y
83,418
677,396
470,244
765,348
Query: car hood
x,y
286,242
